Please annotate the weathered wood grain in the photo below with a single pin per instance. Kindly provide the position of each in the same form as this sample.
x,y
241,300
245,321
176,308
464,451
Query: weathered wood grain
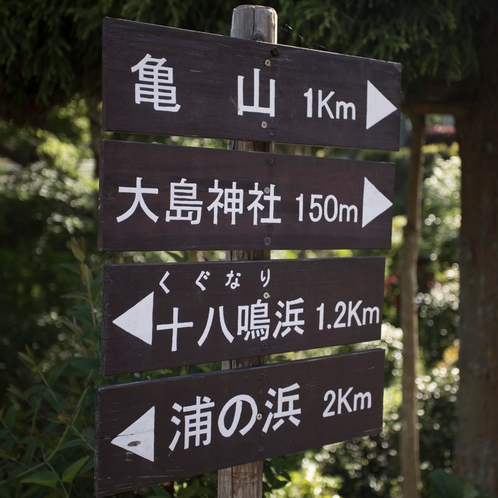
x,y
342,182
338,301
204,74
354,410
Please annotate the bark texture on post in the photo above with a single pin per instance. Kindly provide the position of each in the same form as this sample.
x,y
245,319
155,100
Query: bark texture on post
x,y
250,22
410,450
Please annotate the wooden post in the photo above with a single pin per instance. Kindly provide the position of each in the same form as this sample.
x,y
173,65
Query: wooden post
x,y
250,22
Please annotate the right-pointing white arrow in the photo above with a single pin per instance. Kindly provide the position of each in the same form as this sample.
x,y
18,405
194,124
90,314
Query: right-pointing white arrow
x,y
138,438
374,203
137,320
378,107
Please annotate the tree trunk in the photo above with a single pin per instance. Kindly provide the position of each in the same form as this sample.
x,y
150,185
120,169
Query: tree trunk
x,y
410,453
477,438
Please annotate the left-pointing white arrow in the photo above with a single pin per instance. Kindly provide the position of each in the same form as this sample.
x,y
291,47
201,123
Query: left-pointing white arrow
x,y
138,438
137,320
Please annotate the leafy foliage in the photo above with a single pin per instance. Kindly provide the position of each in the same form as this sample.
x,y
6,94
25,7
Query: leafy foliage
x,y
445,485
434,39
438,272
41,206
51,50
47,429
49,53
370,467
47,434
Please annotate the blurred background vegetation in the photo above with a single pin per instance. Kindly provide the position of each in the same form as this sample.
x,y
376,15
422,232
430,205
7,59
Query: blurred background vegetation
x,y
50,268
50,312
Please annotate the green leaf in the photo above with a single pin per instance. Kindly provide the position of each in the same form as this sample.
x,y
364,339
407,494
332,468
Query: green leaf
x,y
277,484
86,276
63,419
77,295
83,308
97,282
14,391
84,317
32,491
160,492
72,471
88,466
10,418
49,428
26,360
86,363
73,443
7,454
469,491
77,252
4,492
53,400
34,390
92,333
31,445
189,492
179,256
56,373
285,475
72,267
268,473
445,485
73,326
14,472
45,478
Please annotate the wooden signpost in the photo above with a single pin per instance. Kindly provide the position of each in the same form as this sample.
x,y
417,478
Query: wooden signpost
x,y
159,197
252,23
159,316
164,430
161,80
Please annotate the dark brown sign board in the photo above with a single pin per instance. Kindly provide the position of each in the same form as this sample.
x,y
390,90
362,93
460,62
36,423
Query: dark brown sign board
x,y
164,430
164,315
161,80
159,197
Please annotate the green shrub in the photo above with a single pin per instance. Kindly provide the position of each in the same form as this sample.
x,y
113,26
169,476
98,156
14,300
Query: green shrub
x,y
46,434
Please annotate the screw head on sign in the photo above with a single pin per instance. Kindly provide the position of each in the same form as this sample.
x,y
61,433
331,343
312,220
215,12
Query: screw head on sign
x,y
267,190
267,62
266,295
261,448
259,416
267,241
264,124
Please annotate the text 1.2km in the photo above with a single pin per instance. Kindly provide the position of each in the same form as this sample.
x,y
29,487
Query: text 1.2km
x,y
349,313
